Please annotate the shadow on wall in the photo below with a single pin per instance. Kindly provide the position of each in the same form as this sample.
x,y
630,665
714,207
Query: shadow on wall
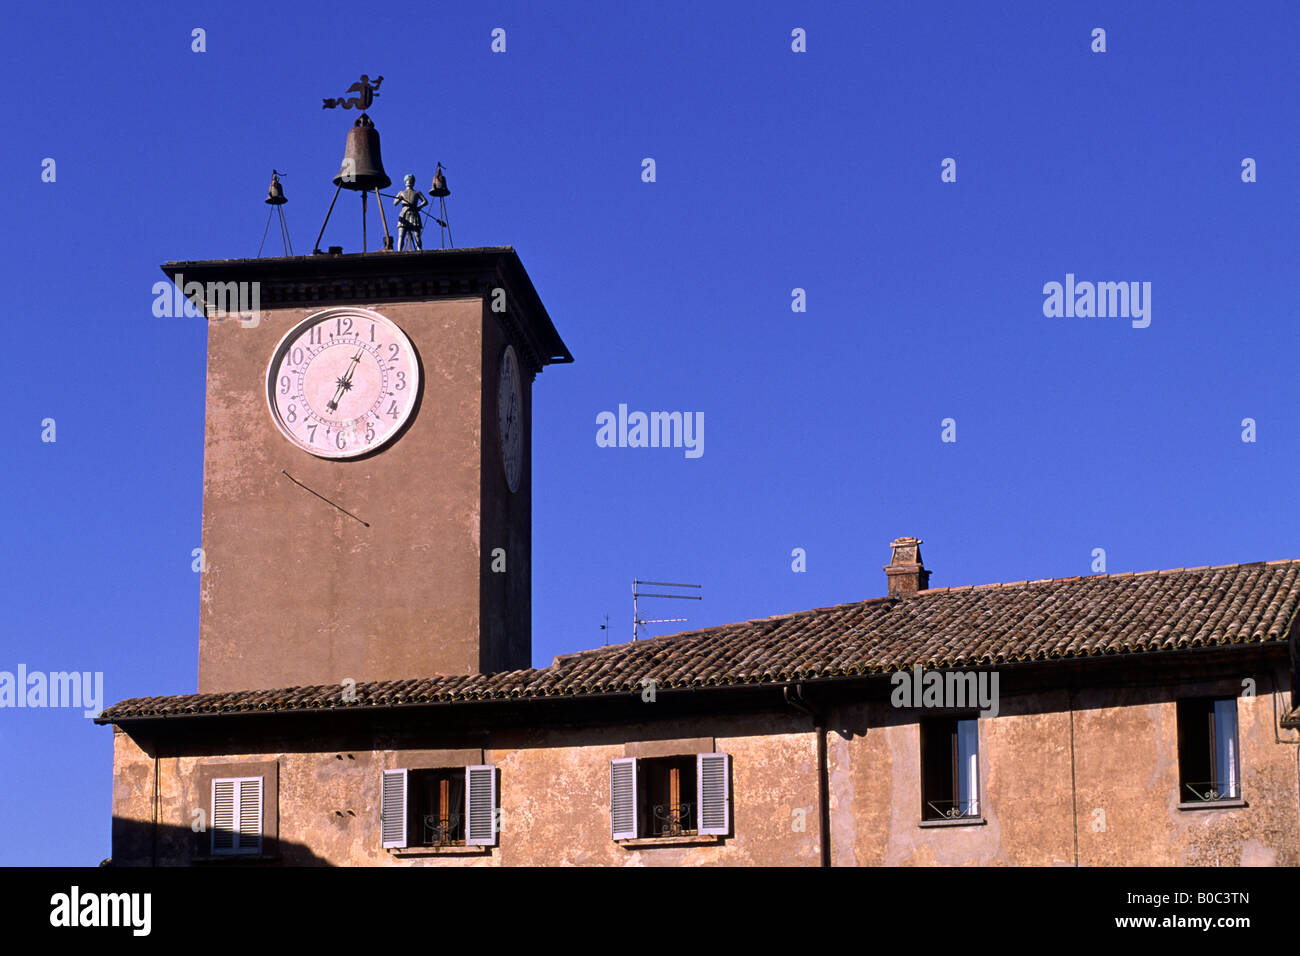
x,y
134,844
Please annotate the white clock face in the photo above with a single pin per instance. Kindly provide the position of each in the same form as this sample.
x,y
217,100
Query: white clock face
x,y
342,383
510,414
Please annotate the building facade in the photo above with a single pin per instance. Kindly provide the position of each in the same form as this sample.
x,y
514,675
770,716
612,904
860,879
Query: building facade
x,y
1169,741
366,695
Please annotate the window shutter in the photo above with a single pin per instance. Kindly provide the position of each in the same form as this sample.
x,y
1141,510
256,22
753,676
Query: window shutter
x,y
223,816
622,798
968,767
392,812
1225,747
714,783
480,805
250,814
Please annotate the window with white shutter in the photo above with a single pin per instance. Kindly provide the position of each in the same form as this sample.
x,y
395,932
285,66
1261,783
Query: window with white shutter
x,y
622,798
714,782
439,807
237,815
392,811
670,797
480,805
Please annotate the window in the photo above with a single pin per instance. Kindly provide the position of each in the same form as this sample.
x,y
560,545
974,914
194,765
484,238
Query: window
x,y
449,806
1208,768
436,803
236,815
950,768
660,797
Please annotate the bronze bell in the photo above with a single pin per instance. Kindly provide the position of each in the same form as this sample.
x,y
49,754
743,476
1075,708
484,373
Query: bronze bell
x,y
362,168
439,184
275,195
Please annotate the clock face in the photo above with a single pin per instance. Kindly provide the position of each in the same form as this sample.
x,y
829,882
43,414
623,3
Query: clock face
x,y
510,413
342,383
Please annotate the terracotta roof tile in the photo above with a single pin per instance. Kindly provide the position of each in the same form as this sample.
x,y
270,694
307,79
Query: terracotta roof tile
x,y
1048,619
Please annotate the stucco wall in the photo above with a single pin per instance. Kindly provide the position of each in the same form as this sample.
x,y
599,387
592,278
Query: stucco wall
x,y
1118,746
296,592
554,797
1123,804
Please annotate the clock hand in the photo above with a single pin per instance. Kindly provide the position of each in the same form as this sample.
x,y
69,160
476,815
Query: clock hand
x,y
344,383
353,367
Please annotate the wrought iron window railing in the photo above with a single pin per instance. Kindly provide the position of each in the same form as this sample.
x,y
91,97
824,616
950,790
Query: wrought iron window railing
x,y
674,819
1209,790
442,831
951,809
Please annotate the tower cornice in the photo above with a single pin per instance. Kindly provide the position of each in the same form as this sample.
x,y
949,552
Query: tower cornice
x,y
373,277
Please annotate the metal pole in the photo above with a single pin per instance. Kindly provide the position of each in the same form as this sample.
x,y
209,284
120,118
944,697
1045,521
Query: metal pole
x,y
316,248
284,229
264,232
380,204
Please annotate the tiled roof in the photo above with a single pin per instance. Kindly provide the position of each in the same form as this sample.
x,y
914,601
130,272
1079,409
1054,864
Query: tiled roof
x,y
1054,619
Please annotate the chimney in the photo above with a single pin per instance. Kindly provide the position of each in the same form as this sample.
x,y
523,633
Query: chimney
x,y
905,572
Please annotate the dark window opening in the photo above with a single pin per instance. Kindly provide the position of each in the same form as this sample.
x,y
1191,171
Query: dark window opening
x,y
949,768
436,807
667,798
1207,750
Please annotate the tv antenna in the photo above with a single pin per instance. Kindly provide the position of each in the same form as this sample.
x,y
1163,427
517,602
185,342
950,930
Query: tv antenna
x,y
637,623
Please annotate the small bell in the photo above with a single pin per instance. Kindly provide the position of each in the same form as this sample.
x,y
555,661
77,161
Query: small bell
x,y
275,195
439,188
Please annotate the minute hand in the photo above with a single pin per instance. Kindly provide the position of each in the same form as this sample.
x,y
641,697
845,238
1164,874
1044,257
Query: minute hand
x,y
344,383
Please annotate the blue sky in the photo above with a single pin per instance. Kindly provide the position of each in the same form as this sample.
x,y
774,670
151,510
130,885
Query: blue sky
x,y
775,170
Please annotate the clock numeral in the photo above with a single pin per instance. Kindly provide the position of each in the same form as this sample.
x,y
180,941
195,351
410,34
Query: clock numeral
x,y
344,325
295,357
372,331
338,440
370,433
392,410
284,384
313,335
401,381
293,413
311,433
394,350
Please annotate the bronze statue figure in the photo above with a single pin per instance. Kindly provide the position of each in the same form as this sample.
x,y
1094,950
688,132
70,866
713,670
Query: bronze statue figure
x,y
409,223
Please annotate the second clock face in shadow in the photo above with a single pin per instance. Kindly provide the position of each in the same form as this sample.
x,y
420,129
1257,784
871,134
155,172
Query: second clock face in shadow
x,y
510,417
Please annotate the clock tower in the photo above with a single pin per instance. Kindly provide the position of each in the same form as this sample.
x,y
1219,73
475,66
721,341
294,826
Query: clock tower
x,y
367,493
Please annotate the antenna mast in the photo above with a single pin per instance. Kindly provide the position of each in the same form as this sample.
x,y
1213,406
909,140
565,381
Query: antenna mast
x,y
637,622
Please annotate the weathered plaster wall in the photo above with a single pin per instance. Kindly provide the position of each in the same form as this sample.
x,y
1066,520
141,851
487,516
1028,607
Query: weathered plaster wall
x,y
327,597
554,790
1125,773
876,791
1127,767
132,802
554,797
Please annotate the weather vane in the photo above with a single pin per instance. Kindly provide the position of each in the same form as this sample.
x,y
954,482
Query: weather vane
x,y
366,93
